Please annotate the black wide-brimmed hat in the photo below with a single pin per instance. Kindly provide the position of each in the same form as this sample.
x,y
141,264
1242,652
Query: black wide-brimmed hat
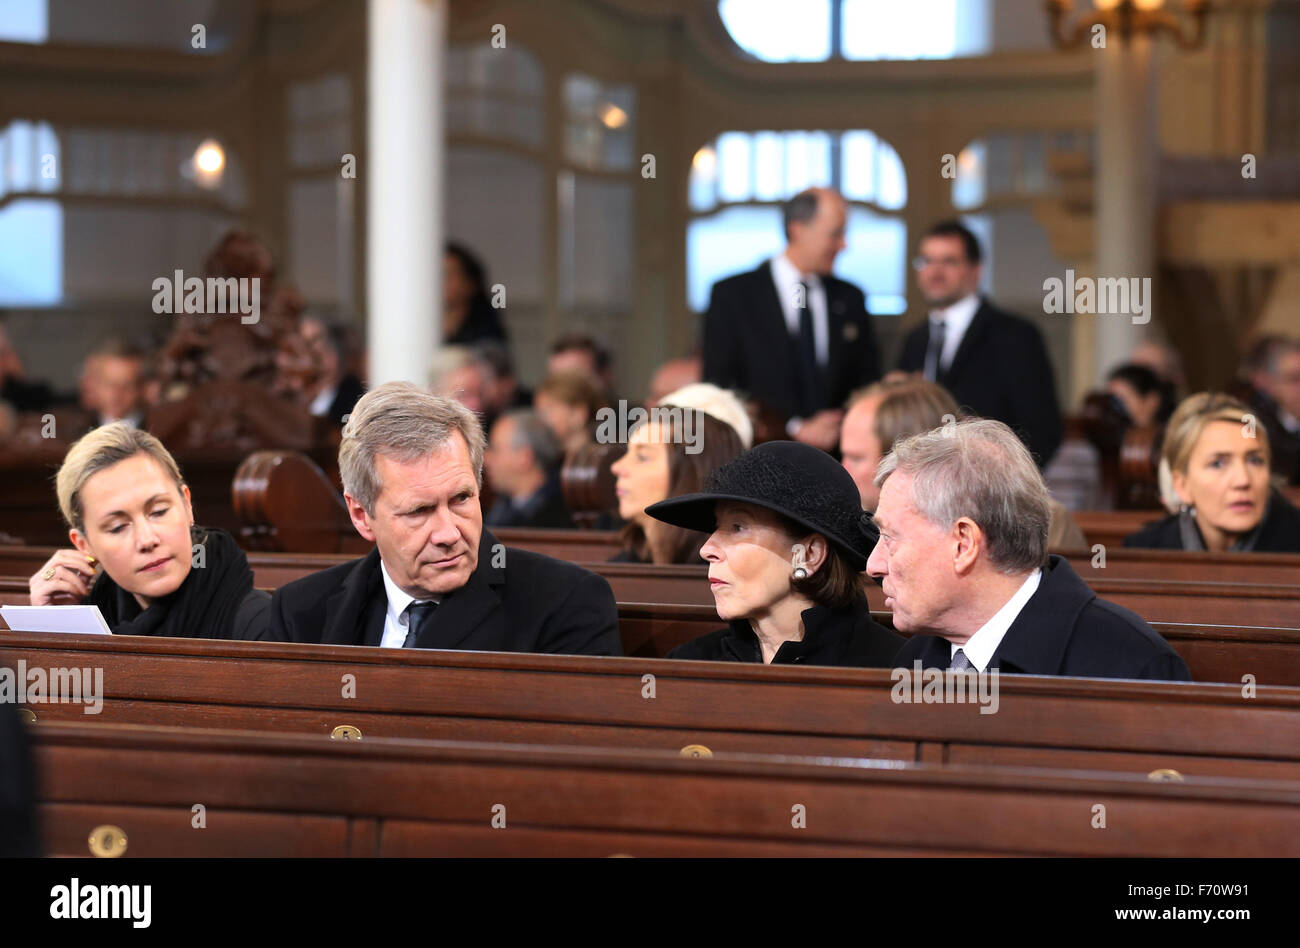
x,y
793,479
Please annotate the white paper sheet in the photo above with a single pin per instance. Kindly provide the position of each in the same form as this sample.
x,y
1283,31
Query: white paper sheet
x,y
83,620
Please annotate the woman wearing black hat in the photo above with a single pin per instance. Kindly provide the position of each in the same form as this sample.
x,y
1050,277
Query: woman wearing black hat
x,y
788,547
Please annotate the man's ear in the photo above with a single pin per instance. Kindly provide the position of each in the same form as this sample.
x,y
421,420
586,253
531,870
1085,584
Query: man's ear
x,y
968,545
360,519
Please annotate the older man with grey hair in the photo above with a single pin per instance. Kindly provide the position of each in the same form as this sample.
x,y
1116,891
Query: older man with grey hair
x,y
412,469
523,466
962,558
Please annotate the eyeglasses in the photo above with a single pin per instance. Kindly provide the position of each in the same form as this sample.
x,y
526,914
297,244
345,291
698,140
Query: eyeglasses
x,y
920,263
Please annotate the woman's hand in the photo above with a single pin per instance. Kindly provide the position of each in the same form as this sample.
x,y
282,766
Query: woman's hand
x,y
64,580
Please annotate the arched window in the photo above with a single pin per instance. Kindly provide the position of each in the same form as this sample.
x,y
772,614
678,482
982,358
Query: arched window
x,y
818,30
31,224
738,183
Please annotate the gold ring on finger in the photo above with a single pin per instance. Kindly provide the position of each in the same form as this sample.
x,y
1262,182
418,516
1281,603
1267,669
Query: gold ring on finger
x,y
49,572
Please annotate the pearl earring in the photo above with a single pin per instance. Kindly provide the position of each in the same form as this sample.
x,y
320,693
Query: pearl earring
x,y
800,573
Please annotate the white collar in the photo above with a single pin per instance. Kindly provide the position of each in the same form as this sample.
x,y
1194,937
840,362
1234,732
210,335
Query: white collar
x,y
957,316
979,648
398,599
787,275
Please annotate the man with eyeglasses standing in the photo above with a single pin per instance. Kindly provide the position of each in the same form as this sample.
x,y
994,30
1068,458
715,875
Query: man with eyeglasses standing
x,y
995,364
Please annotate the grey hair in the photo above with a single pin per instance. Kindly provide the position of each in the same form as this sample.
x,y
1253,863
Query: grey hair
x,y
533,433
979,469
404,422
449,359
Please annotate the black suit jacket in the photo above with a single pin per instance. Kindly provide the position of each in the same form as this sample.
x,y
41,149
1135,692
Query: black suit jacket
x,y
748,347
1065,629
1280,532
1000,370
544,510
19,835
528,603
349,393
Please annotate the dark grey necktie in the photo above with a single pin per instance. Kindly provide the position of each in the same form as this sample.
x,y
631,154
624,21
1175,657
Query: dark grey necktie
x,y
417,613
960,662
934,352
810,398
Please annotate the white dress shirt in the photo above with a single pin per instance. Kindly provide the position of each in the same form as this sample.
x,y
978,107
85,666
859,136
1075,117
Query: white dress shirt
x,y
397,619
320,405
787,278
979,648
956,320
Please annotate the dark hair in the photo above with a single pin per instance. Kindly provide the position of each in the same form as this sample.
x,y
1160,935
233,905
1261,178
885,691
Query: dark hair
x,y
1267,351
472,266
572,388
569,341
719,443
1145,381
496,353
954,228
836,585
799,209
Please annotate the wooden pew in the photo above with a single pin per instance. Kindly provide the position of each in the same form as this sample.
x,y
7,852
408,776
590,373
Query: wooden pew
x,y
276,569
1213,651
274,795
1136,727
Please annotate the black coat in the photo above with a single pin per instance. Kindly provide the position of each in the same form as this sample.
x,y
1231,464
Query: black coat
x,y
19,835
749,347
848,637
1280,533
1065,629
346,397
528,603
1000,370
544,510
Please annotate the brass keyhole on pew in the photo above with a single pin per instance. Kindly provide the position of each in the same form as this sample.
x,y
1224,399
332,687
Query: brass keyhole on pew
x,y
345,732
1165,775
696,750
107,842
27,715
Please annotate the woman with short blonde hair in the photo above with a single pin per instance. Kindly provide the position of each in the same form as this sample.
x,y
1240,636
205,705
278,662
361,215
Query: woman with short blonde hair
x,y
1215,459
128,510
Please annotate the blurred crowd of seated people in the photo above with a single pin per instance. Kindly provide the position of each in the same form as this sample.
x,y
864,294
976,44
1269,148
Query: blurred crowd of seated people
x,y
946,365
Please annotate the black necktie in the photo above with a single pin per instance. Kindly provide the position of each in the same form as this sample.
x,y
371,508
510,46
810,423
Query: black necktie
x,y
934,352
417,613
809,372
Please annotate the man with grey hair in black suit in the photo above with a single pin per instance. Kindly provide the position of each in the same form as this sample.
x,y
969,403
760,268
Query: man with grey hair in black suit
x,y
962,559
412,469
789,334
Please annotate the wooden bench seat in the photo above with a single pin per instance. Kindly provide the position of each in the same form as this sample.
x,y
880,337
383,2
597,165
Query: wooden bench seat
x,y
1136,727
277,795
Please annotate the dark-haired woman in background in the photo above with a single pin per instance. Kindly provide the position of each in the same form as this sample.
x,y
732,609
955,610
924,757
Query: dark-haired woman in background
x,y
788,546
695,430
468,316
1146,398
1215,460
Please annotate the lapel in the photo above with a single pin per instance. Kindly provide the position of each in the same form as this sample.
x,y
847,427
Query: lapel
x,y
351,608
776,334
1036,641
978,328
838,346
937,652
463,612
